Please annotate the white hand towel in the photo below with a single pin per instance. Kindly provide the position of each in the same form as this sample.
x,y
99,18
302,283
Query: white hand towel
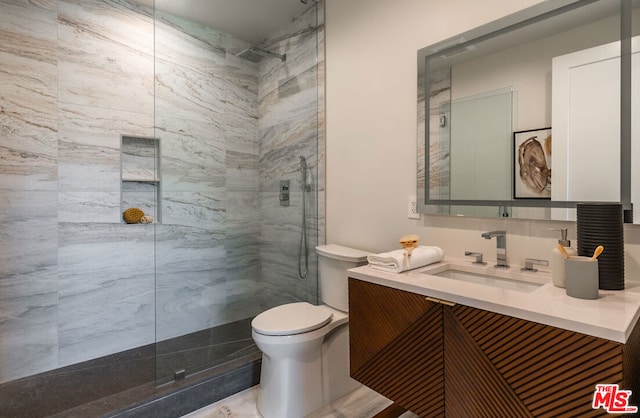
x,y
398,261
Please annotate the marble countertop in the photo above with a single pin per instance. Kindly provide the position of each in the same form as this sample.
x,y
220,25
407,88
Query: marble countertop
x,y
612,316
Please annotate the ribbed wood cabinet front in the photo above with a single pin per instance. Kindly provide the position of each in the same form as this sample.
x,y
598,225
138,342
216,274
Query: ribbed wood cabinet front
x,y
437,360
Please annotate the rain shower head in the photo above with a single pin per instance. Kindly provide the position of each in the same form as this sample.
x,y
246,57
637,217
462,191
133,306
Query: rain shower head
x,y
255,54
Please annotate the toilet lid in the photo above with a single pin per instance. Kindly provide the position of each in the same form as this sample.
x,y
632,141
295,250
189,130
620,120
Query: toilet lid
x,y
290,319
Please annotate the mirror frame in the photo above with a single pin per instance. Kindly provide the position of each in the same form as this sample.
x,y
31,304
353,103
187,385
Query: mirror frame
x,y
526,17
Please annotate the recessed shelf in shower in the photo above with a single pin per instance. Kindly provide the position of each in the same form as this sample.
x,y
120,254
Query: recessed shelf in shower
x,y
140,174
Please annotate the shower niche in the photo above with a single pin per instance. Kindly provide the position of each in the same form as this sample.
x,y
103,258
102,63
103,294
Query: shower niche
x,y
140,175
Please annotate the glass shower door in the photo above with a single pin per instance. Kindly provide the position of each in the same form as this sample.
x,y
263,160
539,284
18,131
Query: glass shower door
x,y
231,128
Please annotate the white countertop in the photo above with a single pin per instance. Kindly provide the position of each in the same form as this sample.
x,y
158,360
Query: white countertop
x,y
612,316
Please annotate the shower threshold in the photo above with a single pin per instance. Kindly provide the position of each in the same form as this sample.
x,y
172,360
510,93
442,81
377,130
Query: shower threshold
x,y
139,382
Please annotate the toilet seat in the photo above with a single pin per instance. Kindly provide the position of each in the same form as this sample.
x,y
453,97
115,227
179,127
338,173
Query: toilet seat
x,y
291,319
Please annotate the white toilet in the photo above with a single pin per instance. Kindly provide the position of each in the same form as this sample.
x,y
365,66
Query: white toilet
x,y
305,348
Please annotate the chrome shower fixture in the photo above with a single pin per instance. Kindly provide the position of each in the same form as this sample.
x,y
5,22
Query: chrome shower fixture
x,y
306,177
303,249
255,54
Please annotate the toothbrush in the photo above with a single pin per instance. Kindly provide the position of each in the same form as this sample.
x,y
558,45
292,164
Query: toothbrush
x,y
599,249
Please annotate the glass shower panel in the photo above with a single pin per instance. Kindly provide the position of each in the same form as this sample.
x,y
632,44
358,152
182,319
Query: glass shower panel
x,y
77,282
231,127
635,109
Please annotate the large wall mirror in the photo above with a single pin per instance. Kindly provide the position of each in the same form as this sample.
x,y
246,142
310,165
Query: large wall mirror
x,y
528,115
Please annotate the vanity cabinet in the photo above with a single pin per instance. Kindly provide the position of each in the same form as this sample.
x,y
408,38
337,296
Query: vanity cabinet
x,y
437,358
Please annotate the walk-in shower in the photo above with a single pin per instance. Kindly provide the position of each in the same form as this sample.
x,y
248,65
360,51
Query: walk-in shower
x,y
93,306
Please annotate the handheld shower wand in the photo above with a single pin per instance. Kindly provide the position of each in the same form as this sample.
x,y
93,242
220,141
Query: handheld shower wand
x,y
303,249
306,178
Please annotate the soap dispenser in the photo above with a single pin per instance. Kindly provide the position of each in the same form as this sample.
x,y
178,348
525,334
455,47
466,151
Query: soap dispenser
x,y
558,259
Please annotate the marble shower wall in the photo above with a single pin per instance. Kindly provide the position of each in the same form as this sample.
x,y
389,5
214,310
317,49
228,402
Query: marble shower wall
x,y
28,188
226,249
105,267
206,118
75,282
290,125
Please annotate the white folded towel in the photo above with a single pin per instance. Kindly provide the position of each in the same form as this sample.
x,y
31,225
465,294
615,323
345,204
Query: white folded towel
x,y
398,261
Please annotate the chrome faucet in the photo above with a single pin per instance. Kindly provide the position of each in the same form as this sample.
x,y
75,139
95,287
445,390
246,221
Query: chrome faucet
x,y
501,244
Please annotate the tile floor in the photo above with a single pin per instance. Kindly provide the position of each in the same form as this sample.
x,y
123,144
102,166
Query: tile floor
x,y
361,403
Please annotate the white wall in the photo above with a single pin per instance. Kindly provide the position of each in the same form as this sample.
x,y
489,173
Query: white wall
x,y
371,50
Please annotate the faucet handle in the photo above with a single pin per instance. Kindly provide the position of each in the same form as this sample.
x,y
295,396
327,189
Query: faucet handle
x,y
529,262
478,257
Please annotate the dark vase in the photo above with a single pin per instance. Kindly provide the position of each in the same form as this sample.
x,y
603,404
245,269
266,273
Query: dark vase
x,y
601,224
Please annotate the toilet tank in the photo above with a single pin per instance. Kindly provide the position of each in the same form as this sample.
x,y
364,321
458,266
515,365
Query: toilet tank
x,y
333,263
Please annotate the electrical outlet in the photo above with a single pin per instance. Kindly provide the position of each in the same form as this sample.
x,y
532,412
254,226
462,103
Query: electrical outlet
x,y
413,208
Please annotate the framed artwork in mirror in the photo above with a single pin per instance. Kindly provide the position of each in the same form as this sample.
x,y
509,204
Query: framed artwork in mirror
x,y
532,164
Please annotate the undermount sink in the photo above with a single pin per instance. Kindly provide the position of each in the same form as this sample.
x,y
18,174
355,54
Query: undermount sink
x,y
503,278
503,283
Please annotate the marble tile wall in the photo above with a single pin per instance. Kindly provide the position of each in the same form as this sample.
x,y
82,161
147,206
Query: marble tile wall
x,y
28,188
247,124
76,282
205,102
105,267
289,126
243,221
